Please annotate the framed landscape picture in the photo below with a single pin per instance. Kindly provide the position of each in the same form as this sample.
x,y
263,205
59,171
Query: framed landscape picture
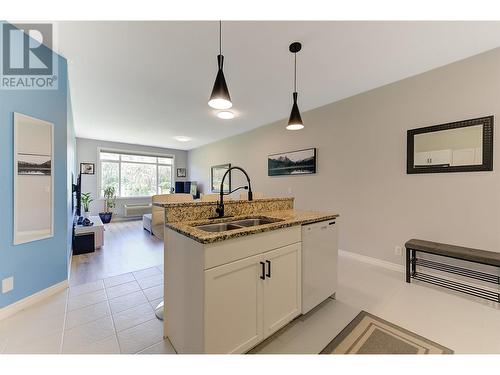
x,y
292,163
216,173
87,168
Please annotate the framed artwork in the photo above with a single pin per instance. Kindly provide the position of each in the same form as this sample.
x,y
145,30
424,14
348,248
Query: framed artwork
x,y
87,168
292,163
33,179
217,172
181,172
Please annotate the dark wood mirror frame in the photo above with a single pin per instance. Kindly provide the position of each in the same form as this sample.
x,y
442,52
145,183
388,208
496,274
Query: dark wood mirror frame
x,y
487,165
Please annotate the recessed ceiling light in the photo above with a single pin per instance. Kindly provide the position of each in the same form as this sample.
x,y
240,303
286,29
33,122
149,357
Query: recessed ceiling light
x,y
226,115
182,138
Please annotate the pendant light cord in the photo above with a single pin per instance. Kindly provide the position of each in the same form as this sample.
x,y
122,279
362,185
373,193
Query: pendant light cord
x,y
220,37
295,73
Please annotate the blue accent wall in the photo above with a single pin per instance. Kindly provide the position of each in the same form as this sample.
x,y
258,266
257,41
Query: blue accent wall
x,y
40,264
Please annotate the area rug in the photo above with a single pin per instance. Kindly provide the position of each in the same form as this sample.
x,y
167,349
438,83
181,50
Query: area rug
x,y
369,334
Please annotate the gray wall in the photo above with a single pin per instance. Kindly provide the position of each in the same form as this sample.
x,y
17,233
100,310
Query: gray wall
x,y
361,150
87,149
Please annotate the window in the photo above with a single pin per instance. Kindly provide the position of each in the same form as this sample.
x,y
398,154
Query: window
x,y
135,175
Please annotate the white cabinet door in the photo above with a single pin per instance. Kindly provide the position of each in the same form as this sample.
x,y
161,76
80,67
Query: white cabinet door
x,y
464,156
421,159
233,306
440,157
478,156
429,158
282,287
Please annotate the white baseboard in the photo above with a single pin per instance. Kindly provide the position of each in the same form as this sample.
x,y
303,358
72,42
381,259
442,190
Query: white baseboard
x,y
372,261
70,260
30,300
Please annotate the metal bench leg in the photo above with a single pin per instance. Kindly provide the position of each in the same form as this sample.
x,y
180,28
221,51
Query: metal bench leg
x,y
408,263
413,262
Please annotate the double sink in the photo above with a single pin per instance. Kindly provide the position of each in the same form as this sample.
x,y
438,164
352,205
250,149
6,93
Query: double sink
x,y
237,224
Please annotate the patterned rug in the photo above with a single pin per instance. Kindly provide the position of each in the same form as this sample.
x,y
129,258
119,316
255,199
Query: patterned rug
x,y
368,334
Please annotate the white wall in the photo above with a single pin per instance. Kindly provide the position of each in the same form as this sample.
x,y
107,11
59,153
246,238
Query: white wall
x,y
361,151
87,152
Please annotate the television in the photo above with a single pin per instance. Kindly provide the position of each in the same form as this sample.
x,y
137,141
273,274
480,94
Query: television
x,y
187,187
77,196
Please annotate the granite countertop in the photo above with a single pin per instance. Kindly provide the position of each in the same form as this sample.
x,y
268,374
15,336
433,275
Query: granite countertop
x,y
288,218
214,203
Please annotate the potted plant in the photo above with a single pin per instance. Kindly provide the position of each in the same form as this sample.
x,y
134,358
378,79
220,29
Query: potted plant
x,y
109,204
86,199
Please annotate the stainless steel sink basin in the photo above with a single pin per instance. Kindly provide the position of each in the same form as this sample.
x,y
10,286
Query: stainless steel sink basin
x,y
237,224
254,222
220,227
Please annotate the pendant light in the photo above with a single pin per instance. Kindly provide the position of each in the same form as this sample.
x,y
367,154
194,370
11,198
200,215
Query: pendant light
x,y
220,98
295,121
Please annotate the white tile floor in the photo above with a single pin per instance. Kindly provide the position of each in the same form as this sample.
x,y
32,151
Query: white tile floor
x,y
116,316
108,316
464,324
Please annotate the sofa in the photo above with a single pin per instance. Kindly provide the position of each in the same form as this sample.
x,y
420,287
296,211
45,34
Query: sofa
x,y
158,213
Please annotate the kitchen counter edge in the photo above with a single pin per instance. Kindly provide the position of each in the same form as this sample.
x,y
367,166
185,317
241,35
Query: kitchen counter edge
x,y
289,218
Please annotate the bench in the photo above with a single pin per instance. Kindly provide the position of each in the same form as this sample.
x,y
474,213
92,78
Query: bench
x,y
477,256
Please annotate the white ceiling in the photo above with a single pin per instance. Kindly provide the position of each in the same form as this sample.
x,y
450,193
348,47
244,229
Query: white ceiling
x,y
146,82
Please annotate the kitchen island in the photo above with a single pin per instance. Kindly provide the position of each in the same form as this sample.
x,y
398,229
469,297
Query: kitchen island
x,y
231,282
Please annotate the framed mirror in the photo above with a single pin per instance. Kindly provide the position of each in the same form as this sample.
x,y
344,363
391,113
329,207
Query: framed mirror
x,y
33,179
462,146
216,174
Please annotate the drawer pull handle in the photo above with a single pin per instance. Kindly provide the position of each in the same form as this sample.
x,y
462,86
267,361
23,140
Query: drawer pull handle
x,y
268,274
263,274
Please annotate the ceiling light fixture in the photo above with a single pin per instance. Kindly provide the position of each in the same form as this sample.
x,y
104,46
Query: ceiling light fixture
x,y
225,115
182,138
220,98
295,120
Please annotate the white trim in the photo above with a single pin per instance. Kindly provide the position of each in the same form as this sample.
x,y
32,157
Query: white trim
x,y
372,261
70,261
141,197
31,300
132,152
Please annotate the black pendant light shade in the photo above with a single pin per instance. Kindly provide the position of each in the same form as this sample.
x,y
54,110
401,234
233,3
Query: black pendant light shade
x,y
220,98
295,120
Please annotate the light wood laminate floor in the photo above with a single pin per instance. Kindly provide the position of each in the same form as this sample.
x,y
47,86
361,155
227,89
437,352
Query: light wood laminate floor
x,y
127,248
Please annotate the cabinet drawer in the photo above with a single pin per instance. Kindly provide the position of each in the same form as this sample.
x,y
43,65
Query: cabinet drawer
x,y
231,250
